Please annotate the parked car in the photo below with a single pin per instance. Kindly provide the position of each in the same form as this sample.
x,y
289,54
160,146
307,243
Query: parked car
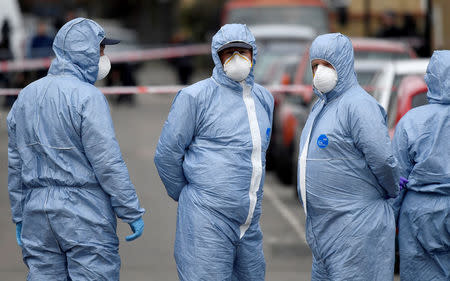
x,y
312,13
387,83
291,113
381,49
366,70
412,92
280,47
277,45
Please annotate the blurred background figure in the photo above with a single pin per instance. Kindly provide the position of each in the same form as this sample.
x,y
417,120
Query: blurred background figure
x,y
409,27
411,34
389,28
60,21
122,74
6,54
183,65
41,42
341,9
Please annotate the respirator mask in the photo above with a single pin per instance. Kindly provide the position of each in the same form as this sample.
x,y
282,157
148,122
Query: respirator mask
x,y
104,66
325,79
237,67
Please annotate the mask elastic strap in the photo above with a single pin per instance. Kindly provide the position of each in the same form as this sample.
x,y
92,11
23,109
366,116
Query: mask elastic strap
x,y
234,54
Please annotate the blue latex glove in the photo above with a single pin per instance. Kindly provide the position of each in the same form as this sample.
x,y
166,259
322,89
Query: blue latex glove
x,y
19,233
137,227
402,183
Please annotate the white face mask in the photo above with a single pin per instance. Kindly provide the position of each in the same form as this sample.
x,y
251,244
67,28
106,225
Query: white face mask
x,y
104,66
237,67
325,79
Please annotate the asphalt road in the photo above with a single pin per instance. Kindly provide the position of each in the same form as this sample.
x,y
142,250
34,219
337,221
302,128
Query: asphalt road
x,y
151,256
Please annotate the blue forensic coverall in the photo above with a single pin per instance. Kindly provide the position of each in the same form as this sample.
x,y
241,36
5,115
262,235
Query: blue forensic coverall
x,y
422,147
211,159
346,172
67,180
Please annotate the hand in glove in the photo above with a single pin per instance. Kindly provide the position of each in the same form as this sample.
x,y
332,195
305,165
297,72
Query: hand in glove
x,y
19,233
402,183
137,227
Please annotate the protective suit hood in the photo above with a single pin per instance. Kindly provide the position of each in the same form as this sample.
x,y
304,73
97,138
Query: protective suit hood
x,y
437,78
229,33
77,49
336,49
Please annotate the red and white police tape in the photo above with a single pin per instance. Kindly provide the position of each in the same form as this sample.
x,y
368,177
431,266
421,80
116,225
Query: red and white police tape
x,y
115,57
137,56
170,89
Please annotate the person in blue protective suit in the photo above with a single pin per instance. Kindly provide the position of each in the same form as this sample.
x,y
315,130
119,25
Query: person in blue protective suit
x,y
67,180
346,172
211,159
421,145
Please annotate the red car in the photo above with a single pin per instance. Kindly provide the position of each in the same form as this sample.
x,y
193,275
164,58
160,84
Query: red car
x,y
412,92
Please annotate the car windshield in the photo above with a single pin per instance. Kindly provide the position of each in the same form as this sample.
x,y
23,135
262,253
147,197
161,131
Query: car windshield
x,y
392,108
365,77
273,55
419,100
314,17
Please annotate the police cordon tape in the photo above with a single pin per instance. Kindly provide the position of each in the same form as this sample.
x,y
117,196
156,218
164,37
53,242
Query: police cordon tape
x,y
115,57
170,89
